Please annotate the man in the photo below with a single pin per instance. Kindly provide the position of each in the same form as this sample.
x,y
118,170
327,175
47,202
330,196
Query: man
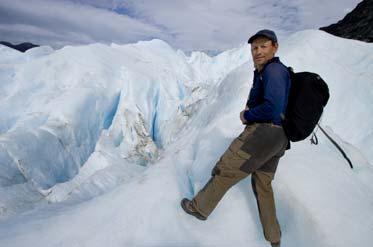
x,y
258,148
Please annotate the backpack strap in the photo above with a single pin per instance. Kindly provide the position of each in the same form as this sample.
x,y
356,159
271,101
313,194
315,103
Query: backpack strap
x,y
337,146
291,70
314,140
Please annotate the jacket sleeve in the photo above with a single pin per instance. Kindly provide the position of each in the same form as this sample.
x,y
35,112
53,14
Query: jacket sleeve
x,y
275,82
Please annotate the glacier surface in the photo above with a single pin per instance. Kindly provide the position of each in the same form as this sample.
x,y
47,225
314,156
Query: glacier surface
x,y
98,145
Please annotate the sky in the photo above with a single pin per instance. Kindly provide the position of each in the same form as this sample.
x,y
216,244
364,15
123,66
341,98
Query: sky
x,y
210,25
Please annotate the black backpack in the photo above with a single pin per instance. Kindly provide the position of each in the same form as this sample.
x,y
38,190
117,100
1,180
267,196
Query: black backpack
x,y
307,98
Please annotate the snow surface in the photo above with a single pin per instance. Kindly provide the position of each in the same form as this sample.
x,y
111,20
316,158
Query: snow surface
x,y
98,145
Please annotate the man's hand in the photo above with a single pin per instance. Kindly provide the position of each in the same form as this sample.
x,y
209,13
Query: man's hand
x,y
243,120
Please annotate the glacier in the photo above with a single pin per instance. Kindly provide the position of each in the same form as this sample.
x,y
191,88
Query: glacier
x,y
99,143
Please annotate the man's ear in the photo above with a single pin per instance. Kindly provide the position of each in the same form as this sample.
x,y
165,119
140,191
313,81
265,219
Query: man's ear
x,y
276,48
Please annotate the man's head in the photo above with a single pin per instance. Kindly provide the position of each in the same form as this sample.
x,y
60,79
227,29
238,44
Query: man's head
x,y
263,47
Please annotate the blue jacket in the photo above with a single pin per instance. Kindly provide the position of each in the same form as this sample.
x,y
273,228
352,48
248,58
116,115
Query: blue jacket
x,y
269,93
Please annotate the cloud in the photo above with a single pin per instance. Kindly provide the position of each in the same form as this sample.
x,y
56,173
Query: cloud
x,y
185,24
48,22
215,24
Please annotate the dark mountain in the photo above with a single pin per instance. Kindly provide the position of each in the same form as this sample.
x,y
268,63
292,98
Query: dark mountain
x,y
20,47
358,24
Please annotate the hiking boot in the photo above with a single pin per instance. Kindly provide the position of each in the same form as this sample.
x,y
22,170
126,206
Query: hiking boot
x,y
189,208
278,244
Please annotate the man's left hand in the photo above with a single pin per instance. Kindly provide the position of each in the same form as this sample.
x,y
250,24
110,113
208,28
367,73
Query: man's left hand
x,y
243,120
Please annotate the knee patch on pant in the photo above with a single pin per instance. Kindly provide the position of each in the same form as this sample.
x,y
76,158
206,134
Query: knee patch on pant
x,y
230,163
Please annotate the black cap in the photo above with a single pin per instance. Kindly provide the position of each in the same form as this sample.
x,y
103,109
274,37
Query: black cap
x,y
264,33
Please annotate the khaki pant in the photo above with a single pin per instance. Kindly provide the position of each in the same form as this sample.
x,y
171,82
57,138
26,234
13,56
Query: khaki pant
x,y
255,151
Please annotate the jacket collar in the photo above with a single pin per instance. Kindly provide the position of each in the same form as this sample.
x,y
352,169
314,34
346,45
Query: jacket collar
x,y
272,60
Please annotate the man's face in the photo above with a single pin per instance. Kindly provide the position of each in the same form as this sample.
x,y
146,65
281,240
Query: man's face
x,y
262,50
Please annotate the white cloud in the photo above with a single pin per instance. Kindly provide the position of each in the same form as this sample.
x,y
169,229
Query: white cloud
x,y
189,25
222,24
51,21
